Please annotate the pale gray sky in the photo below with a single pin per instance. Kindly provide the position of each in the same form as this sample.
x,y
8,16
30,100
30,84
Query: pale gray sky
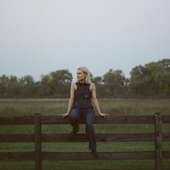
x,y
40,36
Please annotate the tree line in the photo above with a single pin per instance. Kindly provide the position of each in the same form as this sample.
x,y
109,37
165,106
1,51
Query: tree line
x,y
149,80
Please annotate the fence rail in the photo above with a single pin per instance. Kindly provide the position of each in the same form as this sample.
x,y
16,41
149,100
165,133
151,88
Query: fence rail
x,y
38,138
26,120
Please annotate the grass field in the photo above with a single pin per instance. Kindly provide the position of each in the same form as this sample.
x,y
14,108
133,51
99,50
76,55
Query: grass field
x,y
17,107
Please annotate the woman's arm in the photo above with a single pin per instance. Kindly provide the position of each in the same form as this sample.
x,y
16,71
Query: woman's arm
x,y
71,100
95,101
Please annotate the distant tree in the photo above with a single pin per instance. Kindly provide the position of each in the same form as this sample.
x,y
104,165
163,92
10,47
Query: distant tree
x,y
26,84
136,81
99,86
114,83
13,88
151,80
44,86
3,86
162,77
60,82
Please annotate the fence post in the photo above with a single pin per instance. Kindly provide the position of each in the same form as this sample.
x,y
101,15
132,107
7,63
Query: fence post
x,y
158,141
37,131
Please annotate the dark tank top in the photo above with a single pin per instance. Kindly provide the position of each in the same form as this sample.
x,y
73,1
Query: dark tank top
x,y
82,96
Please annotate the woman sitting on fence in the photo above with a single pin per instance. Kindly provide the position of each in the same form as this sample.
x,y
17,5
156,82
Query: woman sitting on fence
x,y
82,99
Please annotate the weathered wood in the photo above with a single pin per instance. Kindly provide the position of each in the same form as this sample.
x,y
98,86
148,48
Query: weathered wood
x,y
38,149
16,137
24,120
166,137
158,141
19,120
116,119
102,155
116,137
166,119
166,154
17,156
100,120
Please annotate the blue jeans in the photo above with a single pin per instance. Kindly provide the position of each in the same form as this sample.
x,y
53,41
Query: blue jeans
x,y
88,116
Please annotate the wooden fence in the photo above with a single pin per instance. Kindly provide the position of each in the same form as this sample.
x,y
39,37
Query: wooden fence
x,y
38,138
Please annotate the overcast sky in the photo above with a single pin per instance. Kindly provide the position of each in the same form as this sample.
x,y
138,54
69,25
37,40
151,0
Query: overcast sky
x,y
40,36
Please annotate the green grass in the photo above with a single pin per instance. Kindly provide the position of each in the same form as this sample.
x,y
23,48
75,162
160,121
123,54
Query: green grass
x,y
55,107
82,165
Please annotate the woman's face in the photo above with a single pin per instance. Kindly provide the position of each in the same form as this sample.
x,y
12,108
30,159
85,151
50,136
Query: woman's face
x,y
80,75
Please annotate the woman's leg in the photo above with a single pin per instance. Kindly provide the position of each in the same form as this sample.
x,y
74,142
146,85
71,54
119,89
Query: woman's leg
x,y
90,128
74,116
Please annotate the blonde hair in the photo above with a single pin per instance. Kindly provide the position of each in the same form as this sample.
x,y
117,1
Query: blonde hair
x,y
87,73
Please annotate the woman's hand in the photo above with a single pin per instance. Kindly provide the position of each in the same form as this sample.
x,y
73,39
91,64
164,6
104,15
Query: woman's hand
x,y
64,115
103,114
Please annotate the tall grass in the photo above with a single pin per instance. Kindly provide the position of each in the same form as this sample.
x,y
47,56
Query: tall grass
x,y
57,106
